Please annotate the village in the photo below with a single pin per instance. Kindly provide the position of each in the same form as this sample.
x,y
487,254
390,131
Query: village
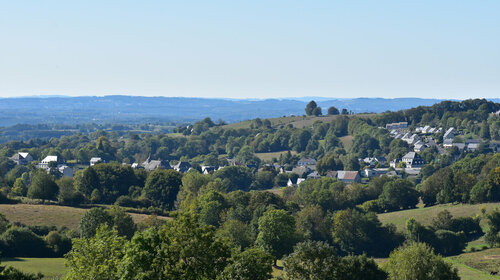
x,y
408,166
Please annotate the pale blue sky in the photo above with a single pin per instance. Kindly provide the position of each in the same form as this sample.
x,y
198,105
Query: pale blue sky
x,y
251,49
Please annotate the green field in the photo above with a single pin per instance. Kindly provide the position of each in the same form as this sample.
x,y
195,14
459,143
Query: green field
x,y
477,265
472,266
346,141
270,156
30,214
425,215
296,121
51,268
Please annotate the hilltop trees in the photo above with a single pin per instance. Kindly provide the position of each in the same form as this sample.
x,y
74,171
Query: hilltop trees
x,y
312,109
333,111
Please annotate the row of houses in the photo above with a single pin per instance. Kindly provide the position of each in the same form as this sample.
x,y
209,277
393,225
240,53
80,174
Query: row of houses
x,y
373,161
428,129
396,126
341,175
151,165
389,172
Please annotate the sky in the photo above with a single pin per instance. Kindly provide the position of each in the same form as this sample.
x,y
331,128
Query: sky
x,y
251,49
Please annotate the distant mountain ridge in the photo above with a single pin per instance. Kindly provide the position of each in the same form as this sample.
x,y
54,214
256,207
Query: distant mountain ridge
x,y
134,109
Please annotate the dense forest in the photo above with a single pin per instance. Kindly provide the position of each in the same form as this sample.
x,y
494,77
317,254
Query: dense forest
x,y
242,218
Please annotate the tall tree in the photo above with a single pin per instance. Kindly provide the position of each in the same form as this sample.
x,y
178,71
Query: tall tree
x,y
319,261
162,187
92,220
485,131
43,186
251,264
312,260
276,232
87,181
492,236
310,107
96,258
183,249
398,194
417,261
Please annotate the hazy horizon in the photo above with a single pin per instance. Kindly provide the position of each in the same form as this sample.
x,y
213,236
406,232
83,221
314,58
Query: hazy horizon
x,y
302,98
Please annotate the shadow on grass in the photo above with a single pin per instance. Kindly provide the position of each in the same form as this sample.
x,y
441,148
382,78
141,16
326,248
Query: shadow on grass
x,y
12,260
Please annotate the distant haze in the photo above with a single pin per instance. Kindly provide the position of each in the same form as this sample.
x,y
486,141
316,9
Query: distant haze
x,y
135,109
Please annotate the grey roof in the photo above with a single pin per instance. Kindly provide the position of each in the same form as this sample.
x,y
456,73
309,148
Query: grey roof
x,y
331,174
300,170
460,146
182,166
449,131
347,175
447,141
155,164
314,174
412,156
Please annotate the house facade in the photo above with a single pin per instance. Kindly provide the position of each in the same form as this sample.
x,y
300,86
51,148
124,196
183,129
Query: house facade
x,y
95,160
22,158
413,160
47,160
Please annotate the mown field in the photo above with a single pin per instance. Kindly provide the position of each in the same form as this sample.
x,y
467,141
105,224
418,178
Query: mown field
x,y
59,216
270,156
477,265
51,268
425,215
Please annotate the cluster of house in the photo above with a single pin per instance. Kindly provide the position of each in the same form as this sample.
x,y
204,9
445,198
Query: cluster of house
x,y
47,163
373,161
421,139
396,126
469,145
341,175
151,165
50,162
306,169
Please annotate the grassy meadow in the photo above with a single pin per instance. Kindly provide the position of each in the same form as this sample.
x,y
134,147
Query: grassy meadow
x,y
425,215
51,268
60,216
270,156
